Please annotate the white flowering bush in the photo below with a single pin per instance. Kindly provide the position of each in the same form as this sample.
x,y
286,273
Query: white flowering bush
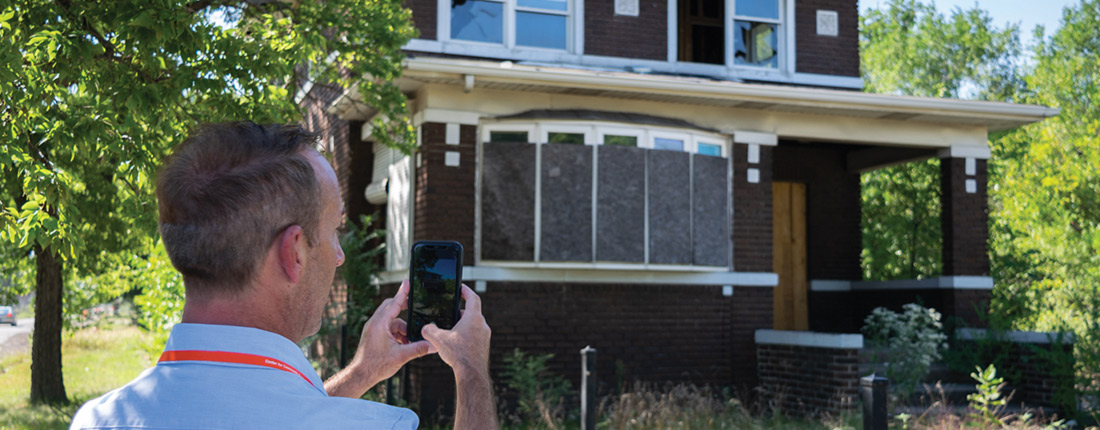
x,y
913,340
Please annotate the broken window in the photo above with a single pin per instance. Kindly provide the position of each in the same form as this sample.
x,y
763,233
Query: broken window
x,y
756,33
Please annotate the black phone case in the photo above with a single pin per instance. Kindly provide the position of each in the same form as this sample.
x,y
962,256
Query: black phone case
x,y
413,333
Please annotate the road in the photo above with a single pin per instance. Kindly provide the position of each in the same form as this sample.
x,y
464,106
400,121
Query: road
x,y
15,339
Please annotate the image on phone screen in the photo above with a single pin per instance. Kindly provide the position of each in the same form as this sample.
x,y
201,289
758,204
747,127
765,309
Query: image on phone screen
x,y
434,283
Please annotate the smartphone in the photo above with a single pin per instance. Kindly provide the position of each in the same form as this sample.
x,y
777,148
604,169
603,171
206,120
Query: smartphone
x,y
435,282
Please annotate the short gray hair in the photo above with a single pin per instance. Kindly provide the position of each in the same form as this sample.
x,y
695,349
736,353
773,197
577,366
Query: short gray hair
x,y
227,192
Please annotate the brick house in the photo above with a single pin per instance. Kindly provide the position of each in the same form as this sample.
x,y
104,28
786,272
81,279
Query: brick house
x,y
657,179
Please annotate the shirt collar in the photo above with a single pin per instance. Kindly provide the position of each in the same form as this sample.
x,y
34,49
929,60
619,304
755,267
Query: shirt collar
x,y
248,340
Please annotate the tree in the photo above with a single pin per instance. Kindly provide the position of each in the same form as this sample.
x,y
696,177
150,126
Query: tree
x,y
95,93
1046,201
908,48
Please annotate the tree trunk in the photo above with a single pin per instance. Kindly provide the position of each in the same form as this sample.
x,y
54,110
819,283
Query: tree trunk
x,y
47,382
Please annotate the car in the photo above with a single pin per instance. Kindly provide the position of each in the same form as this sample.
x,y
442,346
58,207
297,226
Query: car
x,y
7,315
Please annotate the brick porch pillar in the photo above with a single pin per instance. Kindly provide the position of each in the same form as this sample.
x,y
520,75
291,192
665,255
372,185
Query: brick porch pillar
x,y
752,248
443,210
965,226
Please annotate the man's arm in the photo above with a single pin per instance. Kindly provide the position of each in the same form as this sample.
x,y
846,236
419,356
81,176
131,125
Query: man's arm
x,y
383,349
466,349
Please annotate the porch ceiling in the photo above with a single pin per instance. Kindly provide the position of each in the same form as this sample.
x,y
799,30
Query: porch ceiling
x,y
994,116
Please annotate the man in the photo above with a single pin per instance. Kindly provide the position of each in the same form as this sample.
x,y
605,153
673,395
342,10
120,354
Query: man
x,y
250,215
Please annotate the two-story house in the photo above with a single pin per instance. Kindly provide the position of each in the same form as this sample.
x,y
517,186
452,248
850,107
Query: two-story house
x,y
659,179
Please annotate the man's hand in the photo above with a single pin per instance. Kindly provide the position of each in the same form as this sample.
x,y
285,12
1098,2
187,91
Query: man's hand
x,y
466,349
383,349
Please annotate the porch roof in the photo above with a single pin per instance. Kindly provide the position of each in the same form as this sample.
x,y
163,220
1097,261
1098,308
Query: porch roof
x,y
506,75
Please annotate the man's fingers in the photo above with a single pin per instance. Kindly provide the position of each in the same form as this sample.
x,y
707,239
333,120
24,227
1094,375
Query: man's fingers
x,y
473,301
414,350
430,332
399,326
399,301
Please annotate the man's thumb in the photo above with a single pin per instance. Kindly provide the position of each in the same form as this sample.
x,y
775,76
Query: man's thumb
x,y
430,332
416,350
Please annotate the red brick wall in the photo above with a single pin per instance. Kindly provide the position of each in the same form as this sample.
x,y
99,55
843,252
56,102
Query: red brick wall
x,y
965,220
828,55
655,333
423,17
832,207
752,212
809,380
751,309
971,307
959,307
444,201
644,36
1041,374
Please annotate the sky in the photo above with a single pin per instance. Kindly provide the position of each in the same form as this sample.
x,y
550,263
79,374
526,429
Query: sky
x,y
1026,13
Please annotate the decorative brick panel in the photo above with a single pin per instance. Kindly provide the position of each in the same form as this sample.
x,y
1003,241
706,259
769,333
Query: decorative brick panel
x,y
752,211
809,380
444,199
965,219
643,37
828,55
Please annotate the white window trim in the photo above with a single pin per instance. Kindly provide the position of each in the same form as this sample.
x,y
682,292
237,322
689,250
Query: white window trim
x,y
603,131
574,31
594,131
785,38
554,56
530,129
722,144
588,131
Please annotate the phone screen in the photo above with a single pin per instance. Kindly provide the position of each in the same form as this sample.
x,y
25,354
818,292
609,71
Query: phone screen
x,y
435,277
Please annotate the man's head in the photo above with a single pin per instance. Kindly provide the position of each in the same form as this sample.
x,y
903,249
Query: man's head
x,y
230,191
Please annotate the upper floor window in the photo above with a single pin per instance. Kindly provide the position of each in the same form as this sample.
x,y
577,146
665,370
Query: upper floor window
x,y
528,23
754,27
756,33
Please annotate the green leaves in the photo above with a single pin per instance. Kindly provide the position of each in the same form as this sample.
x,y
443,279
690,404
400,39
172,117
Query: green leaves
x,y
902,237
97,92
909,48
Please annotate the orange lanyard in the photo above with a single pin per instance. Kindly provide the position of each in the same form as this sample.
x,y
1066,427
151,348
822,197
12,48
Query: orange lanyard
x,y
231,357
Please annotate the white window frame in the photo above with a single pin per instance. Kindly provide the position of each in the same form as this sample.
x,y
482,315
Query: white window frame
x,y
780,28
785,38
531,129
588,131
721,143
574,33
640,134
594,132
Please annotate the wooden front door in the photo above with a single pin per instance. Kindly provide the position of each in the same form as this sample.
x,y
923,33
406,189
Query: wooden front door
x,y
789,255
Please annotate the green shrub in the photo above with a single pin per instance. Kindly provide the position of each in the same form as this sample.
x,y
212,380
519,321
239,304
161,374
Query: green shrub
x,y
913,339
540,394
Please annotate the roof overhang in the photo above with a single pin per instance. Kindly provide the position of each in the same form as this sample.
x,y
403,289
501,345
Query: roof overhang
x,y
994,116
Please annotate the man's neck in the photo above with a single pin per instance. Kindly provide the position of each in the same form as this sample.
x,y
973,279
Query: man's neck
x,y
238,311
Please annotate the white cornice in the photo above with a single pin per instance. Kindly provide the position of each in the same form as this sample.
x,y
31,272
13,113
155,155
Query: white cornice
x,y
994,115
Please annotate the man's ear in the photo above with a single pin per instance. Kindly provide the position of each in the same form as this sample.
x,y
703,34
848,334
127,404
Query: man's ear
x,y
291,246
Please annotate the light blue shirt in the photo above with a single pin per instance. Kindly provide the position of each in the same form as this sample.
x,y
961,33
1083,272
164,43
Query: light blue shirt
x,y
216,395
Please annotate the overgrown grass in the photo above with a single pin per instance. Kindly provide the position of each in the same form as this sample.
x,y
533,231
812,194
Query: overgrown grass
x,y
688,407
95,360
